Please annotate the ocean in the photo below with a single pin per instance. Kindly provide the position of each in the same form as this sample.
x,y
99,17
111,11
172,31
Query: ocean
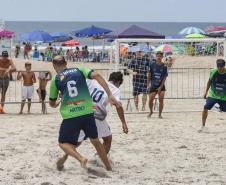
x,y
165,28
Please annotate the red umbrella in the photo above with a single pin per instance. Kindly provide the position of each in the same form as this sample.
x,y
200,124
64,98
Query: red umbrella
x,y
216,29
71,43
6,33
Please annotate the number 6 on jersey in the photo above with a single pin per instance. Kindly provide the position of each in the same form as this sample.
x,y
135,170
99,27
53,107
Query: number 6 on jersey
x,y
72,90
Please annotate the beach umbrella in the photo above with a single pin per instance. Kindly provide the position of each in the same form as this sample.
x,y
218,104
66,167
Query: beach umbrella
x,y
35,36
71,43
60,37
195,35
190,30
6,33
91,31
140,47
167,48
175,37
215,29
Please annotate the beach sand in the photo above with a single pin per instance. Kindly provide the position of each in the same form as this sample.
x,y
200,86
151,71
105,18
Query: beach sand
x,y
166,151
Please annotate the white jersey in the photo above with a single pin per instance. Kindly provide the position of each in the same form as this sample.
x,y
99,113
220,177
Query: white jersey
x,y
100,97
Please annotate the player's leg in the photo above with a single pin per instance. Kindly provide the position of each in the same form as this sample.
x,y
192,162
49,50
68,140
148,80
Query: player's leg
x,y
4,85
136,102
30,91
161,103
39,93
104,132
107,143
144,100
135,95
68,136
28,106
22,106
210,102
62,160
101,152
151,101
90,130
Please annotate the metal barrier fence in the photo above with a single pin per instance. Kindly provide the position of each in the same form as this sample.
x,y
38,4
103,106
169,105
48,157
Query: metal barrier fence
x,y
181,84
184,88
14,94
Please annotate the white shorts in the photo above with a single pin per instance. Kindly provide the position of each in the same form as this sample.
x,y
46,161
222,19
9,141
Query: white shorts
x,y
27,92
103,130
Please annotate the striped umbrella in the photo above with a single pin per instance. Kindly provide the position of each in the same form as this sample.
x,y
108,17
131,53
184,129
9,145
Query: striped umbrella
x,y
214,29
190,30
167,48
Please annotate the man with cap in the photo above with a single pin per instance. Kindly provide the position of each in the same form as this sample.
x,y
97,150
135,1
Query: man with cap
x,y
215,90
6,67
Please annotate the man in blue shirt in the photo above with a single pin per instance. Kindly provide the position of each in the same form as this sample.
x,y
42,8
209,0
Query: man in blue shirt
x,y
157,75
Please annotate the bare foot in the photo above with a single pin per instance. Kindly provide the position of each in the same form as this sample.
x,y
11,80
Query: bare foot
x,y
83,162
143,108
60,163
160,117
20,112
150,114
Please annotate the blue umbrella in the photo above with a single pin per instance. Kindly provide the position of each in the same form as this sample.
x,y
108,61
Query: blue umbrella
x,y
59,34
190,30
175,37
92,31
60,37
141,47
35,36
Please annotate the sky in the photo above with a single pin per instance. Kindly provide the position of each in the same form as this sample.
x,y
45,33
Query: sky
x,y
114,10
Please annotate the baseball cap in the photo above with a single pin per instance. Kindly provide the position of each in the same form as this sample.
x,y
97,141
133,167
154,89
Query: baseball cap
x,y
220,63
5,54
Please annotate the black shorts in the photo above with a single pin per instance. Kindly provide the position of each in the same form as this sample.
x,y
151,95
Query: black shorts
x,y
43,95
70,129
151,90
4,84
210,102
139,89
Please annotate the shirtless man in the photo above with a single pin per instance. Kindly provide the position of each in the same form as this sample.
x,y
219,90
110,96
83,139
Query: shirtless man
x,y
6,67
28,88
44,77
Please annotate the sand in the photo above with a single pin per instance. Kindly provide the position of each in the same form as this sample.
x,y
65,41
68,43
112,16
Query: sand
x,y
166,151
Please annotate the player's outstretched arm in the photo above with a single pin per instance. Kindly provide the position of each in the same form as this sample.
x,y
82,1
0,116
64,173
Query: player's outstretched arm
x,y
121,116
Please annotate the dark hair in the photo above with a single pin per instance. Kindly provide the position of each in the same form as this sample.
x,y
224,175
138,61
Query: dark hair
x,y
59,60
220,61
159,53
116,77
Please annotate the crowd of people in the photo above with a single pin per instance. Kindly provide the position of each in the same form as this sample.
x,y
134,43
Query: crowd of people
x,y
79,54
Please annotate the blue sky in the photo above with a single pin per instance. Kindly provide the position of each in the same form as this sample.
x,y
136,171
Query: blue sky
x,y
114,10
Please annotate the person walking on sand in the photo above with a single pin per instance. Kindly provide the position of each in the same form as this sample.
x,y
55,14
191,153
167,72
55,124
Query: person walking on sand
x,y
100,101
215,91
6,68
28,86
76,108
157,75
